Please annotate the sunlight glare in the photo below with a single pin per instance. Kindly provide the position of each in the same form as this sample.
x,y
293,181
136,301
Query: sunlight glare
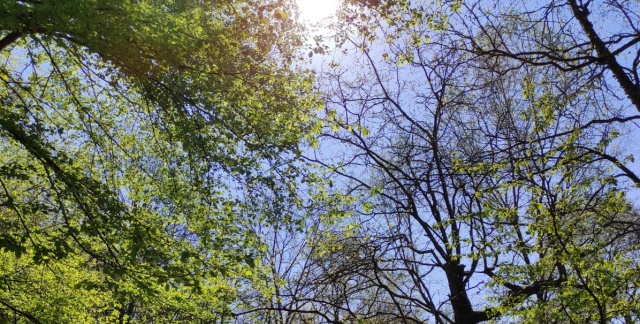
x,y
313,11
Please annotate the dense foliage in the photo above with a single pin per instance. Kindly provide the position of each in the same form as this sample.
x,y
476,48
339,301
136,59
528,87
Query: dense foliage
x,y
140,141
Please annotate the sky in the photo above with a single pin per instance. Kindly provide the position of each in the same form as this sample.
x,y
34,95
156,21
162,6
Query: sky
x,y
315,10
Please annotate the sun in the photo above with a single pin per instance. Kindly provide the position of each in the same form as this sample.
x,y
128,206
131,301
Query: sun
x,y
313,11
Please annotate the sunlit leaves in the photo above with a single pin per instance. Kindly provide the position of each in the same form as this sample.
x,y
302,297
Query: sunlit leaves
x,y
140,139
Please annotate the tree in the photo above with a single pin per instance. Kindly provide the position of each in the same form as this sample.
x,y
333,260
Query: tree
x,y
492,176
565,38
136,153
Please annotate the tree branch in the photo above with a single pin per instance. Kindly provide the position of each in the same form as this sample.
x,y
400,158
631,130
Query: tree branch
x,y
9,39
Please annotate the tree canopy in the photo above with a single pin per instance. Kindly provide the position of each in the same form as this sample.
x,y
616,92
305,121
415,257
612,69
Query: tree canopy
x,y
140,140
487,148
445,162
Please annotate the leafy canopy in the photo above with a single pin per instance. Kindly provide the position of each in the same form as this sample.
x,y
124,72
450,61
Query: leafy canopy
x,y
138,140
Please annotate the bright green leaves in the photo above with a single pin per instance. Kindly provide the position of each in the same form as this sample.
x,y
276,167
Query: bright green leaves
x,y
140,140
559,225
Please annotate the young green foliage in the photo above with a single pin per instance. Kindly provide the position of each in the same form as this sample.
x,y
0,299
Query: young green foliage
x,y
138,138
